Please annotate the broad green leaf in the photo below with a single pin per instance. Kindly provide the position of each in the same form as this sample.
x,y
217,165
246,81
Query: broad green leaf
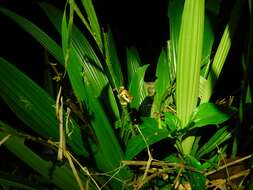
x,y
61,176
32,105
152,135
172,121
208,114
37,33
189,58
137,87
219,137
188,63
196,178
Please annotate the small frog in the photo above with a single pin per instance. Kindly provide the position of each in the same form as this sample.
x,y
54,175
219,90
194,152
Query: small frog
x,y
124,96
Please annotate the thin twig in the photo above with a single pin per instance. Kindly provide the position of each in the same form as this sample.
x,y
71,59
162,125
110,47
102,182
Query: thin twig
x,y
229,164
150,158
5,139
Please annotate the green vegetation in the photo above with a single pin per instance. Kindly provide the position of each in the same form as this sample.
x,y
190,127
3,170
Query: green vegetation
x,y
180,137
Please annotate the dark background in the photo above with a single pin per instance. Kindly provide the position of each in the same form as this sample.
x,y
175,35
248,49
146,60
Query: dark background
x,y
141,24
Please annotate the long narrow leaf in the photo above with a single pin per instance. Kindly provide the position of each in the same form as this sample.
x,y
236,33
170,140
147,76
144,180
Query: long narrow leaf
x,y
223,49
133,62
137,87
188,62
219,137
189,58
37,33
32,105
163,81
94,25
84,55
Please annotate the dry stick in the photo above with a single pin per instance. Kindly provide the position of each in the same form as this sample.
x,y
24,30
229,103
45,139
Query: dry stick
x,y
150,159
79,182
176,183
229,164
111,177
5,139
85,170
62,146
159,163
59,115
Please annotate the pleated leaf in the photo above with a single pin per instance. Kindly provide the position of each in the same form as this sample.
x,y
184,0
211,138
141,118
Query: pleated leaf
x,y
112,60
163,81
218,138
188,63
175,14
32,105
189,58
89,60
133,62
37,33
137,87
94,24
223,49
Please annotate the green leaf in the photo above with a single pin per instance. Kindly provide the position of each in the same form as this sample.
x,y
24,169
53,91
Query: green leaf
x,y
137,87
93,83
219,137
133,63
152,134
84,68
208,114
112,60
94,25
196,178
172,122
108,152
32,105
163,80
223,49
175,14
188,63
189,58
37,33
